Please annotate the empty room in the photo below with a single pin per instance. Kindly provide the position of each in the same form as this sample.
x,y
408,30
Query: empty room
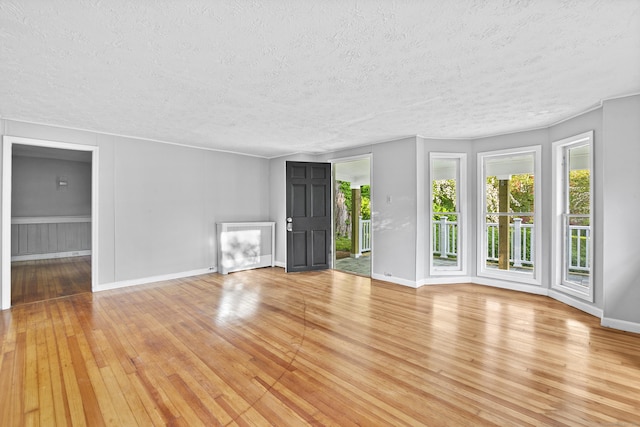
x,y
375,213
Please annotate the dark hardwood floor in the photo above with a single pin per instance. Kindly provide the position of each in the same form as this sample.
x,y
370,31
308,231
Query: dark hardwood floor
x,y
49,278
262,347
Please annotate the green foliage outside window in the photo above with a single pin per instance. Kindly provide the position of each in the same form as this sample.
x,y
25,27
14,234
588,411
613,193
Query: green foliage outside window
x,y
365,198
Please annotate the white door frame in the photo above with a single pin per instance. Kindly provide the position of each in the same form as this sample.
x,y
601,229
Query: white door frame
x,y
368,156
7,164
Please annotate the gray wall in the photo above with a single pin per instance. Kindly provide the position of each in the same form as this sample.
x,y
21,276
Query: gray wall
x,y
620,207
35,191
394,214
158,203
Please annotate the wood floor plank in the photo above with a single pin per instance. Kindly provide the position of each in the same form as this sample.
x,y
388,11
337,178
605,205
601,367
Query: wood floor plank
x,y
6,374
323,348
45,403
58,390
49,278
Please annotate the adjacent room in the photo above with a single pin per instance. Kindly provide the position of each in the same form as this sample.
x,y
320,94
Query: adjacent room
x,y
320,213
50,223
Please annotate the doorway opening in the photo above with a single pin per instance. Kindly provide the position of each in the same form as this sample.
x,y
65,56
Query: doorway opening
x,y
49,220
352,231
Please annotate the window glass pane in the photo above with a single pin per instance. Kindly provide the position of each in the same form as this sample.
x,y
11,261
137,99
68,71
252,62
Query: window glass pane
x,y
509,205
579,181
578,246
445,240
445,217
577,224
445,175
520,243
521,191
491,186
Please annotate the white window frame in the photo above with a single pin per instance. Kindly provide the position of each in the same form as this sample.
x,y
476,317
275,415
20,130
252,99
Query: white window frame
x,y
558,207
510,275
461,206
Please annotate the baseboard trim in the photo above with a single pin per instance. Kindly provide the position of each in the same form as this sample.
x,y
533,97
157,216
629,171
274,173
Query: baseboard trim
x,y
623,325
580,305
445,281
280,264
521,287
51,255
145,280
396,280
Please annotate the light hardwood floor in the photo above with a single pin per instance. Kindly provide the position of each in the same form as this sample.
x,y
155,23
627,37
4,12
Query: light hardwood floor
x,y
325,348
49,278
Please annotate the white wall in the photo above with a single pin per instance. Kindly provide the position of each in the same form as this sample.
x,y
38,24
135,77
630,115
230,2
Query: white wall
x,y
620,207
158,203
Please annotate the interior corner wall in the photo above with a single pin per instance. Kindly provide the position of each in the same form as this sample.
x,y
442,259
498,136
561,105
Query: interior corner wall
x,y
423,222
159,203
620,204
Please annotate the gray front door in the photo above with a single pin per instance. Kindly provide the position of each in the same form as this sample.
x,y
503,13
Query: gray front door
x,y
308,216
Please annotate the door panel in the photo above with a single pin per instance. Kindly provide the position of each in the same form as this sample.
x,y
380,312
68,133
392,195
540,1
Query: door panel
x,y
318,200
319,255
299,195
299,258
308,216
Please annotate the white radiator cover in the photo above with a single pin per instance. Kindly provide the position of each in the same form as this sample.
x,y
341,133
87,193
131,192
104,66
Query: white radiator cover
x,y
245,245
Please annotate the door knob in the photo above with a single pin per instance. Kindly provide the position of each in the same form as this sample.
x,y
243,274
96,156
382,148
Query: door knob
x,y
289,224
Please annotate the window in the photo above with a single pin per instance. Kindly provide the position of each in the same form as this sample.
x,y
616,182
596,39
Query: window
x,y
572,228
447,177
508,218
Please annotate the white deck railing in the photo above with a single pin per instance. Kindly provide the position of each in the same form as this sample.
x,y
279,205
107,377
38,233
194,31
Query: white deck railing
x,y
579,247
445,237
365,235
522,242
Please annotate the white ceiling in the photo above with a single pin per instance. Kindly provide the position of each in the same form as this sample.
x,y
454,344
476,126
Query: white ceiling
x,y
276,77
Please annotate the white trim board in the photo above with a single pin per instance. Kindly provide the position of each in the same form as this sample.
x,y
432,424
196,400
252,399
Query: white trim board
x,y
153,279
444,280
49,219
50,255
7,166
580,304
396,280
622,325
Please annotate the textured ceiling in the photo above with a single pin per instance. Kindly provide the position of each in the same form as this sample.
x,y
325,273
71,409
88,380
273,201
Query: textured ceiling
x,y
276,77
